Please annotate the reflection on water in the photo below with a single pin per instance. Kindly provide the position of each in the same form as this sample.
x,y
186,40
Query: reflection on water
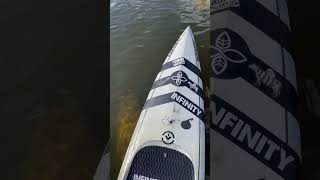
x,y
202,4
141,35
129,111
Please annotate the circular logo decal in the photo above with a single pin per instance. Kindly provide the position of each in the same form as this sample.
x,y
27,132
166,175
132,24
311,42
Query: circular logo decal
x,y
167,137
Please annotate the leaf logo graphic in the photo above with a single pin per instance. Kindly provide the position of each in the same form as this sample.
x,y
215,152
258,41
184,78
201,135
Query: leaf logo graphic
x,y
219,64
225,54
223,41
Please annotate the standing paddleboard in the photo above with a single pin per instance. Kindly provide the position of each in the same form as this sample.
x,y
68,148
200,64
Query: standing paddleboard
x,y
255,132
168,141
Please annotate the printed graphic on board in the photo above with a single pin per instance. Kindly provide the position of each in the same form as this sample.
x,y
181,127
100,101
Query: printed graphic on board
x,y
167,137
186,124
231,58
179,78
229,54
253,138
268,78
225,54
178,98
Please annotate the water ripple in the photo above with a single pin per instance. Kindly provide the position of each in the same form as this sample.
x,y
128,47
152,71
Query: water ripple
x,y
143,32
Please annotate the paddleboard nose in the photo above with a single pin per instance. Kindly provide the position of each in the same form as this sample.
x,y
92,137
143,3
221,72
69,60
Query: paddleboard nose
x,y
162,150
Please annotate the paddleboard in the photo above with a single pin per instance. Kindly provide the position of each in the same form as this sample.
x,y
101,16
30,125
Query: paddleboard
x,y
255,130
168,140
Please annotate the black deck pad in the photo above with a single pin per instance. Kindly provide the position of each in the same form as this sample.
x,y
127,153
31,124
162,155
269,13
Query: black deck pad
x,y
160,163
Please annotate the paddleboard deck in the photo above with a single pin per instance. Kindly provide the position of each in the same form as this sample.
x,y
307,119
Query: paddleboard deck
x,y
255,131
168,141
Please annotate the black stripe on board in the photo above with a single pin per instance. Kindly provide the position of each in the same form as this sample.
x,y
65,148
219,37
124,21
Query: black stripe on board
x,y
182,61
179,78
178,98
260,17
231,58
254,139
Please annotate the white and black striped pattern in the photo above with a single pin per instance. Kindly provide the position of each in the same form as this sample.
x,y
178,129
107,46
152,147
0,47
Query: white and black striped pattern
x,y
246,109
175,97
259,15
191,67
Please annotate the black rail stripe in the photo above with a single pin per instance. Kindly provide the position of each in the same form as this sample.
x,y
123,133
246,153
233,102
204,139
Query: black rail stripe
x,y
263,19
189,65
188,83
168,98
288,95
291,169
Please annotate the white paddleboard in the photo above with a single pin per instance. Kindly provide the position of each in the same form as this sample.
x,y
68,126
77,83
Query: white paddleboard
x,y
168,141
255,132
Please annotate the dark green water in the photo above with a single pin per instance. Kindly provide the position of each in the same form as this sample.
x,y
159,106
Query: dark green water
x,y
141,35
